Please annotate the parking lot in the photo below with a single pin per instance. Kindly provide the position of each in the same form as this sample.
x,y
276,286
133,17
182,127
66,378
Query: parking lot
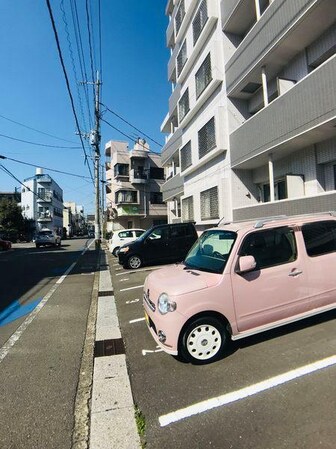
x,y
273,390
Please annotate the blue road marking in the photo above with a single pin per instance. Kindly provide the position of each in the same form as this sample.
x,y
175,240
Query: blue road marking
x,y
15,310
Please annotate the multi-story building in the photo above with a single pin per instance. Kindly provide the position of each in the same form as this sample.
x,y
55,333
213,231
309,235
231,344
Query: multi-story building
x,y
74,218
133,182
42,201
252,115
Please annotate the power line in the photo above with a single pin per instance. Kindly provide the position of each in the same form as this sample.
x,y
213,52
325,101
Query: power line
x,y
45,168
73,62
79,44
38,144
67,83
127,135
34,129
90,39
130,124
21,183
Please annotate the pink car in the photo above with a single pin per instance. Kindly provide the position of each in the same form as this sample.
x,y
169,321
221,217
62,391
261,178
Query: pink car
x,y
240,279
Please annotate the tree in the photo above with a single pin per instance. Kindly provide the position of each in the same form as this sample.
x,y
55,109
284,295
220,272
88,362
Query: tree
x,y
11,219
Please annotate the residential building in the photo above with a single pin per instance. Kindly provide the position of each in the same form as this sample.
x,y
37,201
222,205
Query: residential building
x,y
133,186
252,117
12,196
42,201
75,221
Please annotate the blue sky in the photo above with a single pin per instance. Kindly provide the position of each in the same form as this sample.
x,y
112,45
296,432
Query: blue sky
x,y
33,90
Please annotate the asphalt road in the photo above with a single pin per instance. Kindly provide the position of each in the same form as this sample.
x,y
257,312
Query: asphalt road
x,y
39,364
298,413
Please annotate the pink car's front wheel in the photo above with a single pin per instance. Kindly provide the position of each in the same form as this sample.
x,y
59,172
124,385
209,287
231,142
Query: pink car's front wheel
x,y
203,340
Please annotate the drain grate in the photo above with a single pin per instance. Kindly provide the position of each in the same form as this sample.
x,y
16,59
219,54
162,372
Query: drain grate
x,y
109,347
106,293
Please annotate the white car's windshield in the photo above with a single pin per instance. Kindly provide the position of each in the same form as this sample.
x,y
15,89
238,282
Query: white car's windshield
x,y
211,251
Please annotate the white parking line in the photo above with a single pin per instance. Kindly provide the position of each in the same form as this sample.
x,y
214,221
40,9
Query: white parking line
x,y
228,398
137,320
131,288
143,269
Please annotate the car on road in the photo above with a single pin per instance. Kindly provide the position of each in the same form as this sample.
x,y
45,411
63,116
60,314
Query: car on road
x,y
5,245
240,279
47,237
120,238
161,243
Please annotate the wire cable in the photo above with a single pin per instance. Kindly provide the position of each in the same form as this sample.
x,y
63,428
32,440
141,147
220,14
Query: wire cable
x,y
38,144
34,129
45,168
130,124
67,84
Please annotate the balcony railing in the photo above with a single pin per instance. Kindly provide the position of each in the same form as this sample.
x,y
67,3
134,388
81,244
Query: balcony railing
x,y
305,205
138,177
308,109
44,216
44,198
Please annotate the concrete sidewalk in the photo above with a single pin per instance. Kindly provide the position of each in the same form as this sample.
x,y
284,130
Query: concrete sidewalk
x,y
104,415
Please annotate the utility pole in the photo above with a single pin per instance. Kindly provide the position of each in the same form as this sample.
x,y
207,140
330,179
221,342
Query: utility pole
x,y
95,142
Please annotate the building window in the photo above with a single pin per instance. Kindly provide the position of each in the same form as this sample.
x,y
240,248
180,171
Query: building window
x,y
126,196
186,156
156,173
206,138
200,20
121,170
203,76
188,209
182,58
156,198
209,204
179,17
334,167
184,105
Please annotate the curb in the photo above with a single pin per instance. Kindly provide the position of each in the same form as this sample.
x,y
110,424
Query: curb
x,y
104,409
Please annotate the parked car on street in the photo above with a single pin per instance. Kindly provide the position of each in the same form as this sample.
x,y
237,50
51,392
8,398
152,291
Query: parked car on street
x,y
120,238
47,237
167,242
5,245
240,279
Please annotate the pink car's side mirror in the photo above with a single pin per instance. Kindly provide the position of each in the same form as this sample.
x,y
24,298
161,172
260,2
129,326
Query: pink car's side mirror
x,y
246,263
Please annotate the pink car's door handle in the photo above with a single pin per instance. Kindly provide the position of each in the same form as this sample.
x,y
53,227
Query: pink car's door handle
x,y
295,273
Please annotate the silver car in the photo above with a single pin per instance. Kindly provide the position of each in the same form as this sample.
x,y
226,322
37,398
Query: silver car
x,y
46,237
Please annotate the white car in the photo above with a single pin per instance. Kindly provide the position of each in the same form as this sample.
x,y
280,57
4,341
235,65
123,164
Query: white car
x,y
46,237
119,238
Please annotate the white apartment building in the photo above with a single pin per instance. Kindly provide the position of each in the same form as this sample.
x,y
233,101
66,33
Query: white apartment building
x,y
74,218
42,201
133,186
252,116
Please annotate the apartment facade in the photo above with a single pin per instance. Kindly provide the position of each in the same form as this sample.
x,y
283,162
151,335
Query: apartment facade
x,y
42,201
133,186
252,116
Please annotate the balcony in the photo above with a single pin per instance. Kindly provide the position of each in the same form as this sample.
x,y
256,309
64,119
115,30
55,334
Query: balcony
x,y
238,16
284,30
301,117
157,209
173,99
304,205
171,146
172,64
43,179
137,177
128,210
139,154
44,217
44,198
173,187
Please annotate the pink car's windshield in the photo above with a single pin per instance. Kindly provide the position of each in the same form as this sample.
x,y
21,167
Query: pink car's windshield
x,y
211,251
